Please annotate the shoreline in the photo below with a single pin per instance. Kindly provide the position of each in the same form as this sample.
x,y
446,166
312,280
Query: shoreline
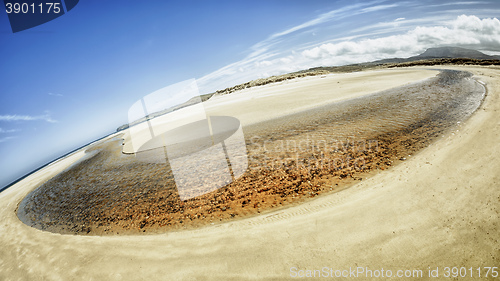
x,y
55,160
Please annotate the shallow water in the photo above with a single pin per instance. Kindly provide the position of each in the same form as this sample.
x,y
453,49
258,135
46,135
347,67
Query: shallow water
x,y
291,159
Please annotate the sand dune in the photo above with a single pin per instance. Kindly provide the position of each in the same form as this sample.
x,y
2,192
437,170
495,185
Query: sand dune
x,y
438,208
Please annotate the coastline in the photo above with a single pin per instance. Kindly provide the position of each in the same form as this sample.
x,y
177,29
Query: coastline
x,y
339,143
439,208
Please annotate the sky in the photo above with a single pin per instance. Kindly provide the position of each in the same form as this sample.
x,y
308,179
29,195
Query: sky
x,y
72,80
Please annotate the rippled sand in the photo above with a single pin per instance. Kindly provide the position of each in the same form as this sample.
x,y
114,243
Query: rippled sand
x,y
291,159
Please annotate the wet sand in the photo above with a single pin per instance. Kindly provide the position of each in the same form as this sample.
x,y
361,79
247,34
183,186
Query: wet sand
x,y
437,208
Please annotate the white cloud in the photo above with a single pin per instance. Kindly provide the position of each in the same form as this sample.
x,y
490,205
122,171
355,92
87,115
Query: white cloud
x,y
2,131
16,117
473,24
323,18
7,138
337,14
286,60
378,8
491,53
55,95
263,63
467,31
459,3
398,25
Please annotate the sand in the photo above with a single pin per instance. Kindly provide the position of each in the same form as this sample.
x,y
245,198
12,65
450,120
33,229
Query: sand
x,y
438,208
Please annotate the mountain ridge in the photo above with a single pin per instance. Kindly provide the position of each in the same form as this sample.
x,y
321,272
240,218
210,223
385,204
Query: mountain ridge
x,y
446,52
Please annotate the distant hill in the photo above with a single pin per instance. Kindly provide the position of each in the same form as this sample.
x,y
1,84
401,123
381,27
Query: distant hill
x,y
442,53
452,52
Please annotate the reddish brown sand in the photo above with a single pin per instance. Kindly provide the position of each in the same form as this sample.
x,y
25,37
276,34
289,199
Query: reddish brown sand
x,y
291,159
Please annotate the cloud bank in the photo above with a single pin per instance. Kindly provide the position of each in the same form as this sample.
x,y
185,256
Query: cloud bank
x,y
465,31
383,41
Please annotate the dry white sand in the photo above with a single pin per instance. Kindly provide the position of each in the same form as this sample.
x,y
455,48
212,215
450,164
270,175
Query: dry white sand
x,y
438,208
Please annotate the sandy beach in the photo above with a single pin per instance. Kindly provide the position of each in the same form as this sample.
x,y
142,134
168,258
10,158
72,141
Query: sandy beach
x,y
439,208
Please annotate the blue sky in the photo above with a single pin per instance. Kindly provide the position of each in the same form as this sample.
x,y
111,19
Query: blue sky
x,y
73,79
